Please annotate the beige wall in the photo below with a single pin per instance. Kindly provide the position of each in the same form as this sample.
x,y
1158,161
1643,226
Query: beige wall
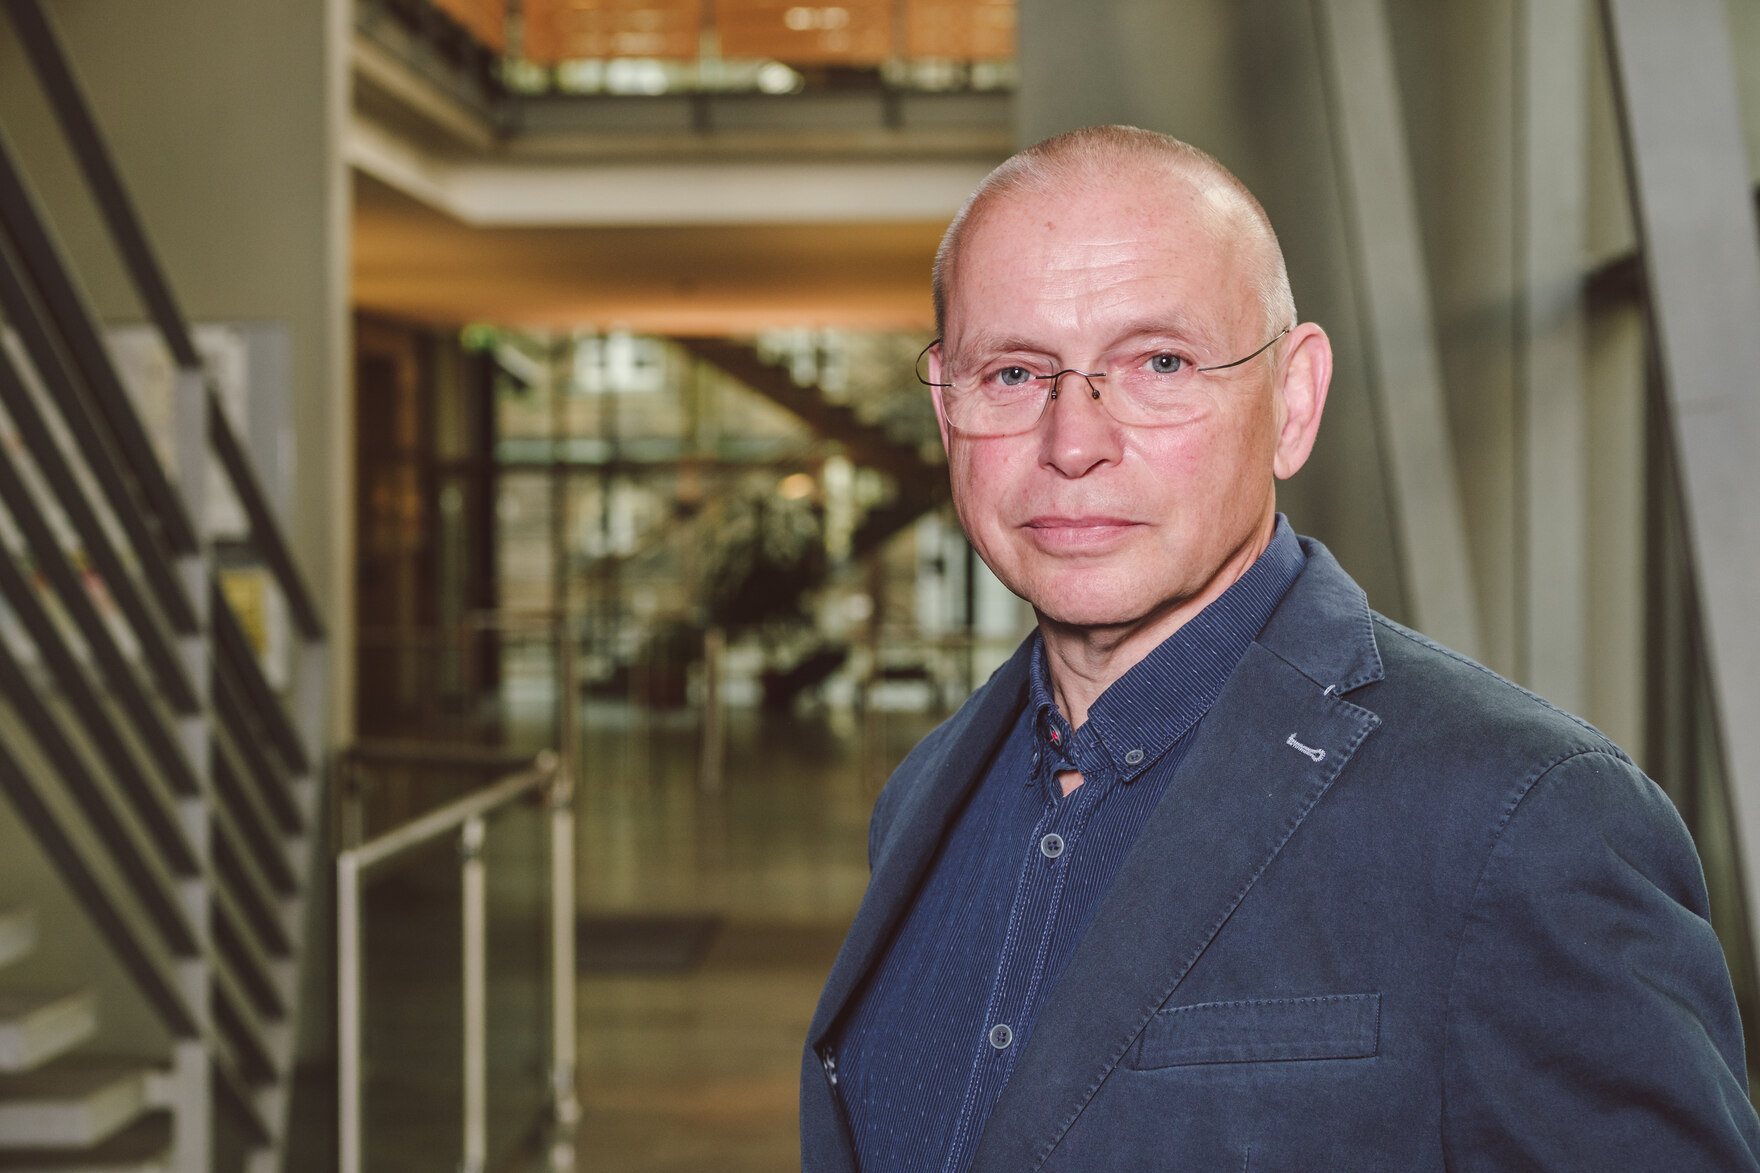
x,y
225,119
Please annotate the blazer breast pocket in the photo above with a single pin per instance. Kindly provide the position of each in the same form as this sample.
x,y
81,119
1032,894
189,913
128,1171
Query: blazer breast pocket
x,y
1333,1026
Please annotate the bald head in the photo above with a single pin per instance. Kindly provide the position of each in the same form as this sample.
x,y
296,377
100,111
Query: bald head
x,y
1098,154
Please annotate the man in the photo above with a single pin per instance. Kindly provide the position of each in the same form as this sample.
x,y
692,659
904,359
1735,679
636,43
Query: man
x,y
1222,871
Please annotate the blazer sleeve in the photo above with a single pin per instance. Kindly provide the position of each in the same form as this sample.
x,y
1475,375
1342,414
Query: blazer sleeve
x,y
1591,1022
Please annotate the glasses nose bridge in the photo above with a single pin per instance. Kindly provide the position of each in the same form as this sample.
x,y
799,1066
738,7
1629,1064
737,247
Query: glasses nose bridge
x,y
1056,382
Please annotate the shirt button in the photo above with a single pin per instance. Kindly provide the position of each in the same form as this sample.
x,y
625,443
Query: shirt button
x,y
1001,1036
1050,847
1133,757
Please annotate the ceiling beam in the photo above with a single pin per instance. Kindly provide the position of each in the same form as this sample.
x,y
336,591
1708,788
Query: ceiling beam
x,y
488,193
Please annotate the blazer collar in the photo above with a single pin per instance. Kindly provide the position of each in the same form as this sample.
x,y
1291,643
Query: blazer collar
x,y
1323,628
1267,752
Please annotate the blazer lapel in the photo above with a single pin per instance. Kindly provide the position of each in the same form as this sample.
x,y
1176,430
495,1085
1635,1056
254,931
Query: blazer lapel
x,y
926,808
1264,755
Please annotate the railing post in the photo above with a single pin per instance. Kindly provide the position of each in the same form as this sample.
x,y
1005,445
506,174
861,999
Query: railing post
x,y
348,1013
713,750
565,1103
353,780
468,818
565,1107
192,1076
476,1034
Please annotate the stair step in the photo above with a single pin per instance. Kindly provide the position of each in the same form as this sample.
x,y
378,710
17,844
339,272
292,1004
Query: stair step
x,y
18,933
71,1103
34,1028
144,1147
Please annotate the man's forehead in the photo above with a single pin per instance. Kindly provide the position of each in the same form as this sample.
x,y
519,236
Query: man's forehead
x,y
1168,206
1041,238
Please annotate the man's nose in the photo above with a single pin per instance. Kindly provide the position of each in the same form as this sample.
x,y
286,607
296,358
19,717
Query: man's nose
x,y
1079,433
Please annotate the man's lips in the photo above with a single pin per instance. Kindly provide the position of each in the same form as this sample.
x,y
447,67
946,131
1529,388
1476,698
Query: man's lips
x,y
1067,533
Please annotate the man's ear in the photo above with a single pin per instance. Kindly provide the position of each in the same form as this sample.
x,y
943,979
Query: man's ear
x,y
1303,376
934,369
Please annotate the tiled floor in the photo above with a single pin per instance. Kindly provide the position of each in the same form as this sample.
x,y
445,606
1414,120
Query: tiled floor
x,y
699,1071
691,1070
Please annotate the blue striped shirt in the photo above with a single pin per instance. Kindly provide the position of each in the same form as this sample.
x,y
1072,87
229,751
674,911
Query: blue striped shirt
x,y
933,1037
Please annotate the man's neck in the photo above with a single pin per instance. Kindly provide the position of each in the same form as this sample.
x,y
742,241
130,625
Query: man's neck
x,y
1084,661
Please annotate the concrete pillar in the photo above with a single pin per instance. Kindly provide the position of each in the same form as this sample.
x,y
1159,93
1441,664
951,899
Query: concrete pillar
x,y
1243,81
1554,432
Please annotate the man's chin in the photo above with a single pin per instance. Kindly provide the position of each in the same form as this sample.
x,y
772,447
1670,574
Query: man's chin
x,y
1118,599
1092,611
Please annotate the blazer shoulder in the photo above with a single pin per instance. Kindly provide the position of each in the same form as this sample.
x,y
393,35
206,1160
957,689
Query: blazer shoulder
x,y
1436,694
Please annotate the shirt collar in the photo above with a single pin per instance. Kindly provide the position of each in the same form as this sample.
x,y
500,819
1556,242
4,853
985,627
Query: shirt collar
x,y
1146,711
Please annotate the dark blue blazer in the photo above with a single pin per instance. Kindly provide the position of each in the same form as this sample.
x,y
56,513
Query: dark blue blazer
x,y
1469,935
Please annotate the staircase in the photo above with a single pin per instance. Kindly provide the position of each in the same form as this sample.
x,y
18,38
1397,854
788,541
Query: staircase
x,y
161,794
919,485
60,1107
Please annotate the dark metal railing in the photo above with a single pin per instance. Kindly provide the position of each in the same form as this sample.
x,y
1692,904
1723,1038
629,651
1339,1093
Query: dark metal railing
x,y
170,784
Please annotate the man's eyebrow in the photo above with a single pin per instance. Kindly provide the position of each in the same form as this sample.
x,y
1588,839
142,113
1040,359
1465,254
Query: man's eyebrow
x,y
1174,325
1001,344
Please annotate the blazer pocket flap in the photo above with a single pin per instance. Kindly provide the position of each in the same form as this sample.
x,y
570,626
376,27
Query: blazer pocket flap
x,y
1335,1026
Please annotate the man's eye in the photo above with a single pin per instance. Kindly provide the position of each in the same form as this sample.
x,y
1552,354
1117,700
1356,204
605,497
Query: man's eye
x,y
1013,376
1165,364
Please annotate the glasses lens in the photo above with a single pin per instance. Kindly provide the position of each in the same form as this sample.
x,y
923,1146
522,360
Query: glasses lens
x,y
1146,399
994,408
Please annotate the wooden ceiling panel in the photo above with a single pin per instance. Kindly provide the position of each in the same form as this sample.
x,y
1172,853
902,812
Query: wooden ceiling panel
x,y
486,20
853,32
965,30
563,30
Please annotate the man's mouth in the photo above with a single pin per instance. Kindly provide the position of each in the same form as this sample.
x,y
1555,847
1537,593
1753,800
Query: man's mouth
x,y
1076,533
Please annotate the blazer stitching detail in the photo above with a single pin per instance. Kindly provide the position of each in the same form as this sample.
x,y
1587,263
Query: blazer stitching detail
x,y
1374,669
1374,1025
1425,641
1369,724
1378,669
1266,1002
1519,794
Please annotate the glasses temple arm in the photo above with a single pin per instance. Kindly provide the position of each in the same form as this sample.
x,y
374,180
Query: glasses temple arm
x,y
1237,362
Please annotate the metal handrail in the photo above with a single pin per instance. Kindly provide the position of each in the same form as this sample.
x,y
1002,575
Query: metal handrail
x,y
185,831
467,817
43,51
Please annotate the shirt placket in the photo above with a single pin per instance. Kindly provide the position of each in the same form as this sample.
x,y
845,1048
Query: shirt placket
x,y
1053,855
1039,889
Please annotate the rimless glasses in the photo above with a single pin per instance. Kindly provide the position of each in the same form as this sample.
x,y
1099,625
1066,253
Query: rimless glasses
x,y
1008,397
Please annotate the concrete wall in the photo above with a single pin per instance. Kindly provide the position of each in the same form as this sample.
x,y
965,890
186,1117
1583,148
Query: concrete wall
x,y
225,118
1245,82
1744,34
